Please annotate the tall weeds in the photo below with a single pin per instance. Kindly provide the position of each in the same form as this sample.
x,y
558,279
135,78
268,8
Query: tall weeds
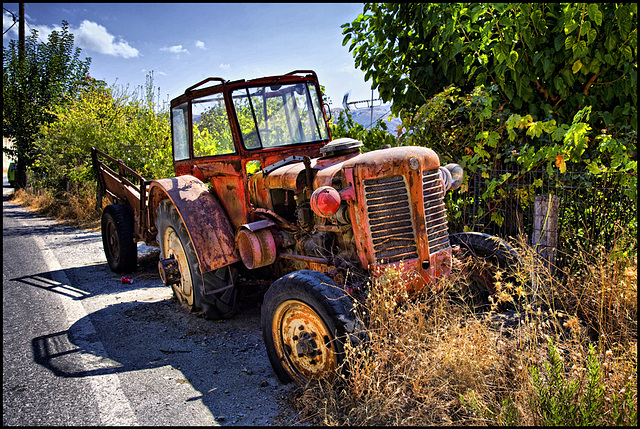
x,y
568,355
76,207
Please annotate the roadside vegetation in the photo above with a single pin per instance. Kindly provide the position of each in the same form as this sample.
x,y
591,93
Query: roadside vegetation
x,y
567,352
567,356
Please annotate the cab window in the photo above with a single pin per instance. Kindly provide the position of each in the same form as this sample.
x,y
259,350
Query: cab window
x,y
210,127
180,132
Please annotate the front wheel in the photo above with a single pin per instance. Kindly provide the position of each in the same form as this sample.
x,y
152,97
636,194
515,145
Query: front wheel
x,y
484,256
306,320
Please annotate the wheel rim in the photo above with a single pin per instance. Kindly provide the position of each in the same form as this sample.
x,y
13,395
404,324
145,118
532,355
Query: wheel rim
x,y
303,341
173,247
112,241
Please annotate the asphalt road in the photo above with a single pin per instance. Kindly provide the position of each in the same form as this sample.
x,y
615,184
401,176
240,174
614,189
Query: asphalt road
x,y
82,348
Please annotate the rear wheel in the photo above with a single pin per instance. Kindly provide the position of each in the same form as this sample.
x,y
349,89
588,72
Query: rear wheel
x,y
215,292
306,320
483,257
118,238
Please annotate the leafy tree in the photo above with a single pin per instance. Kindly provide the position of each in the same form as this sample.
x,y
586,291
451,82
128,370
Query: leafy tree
x,y
544,57
124,125
527,87
46,75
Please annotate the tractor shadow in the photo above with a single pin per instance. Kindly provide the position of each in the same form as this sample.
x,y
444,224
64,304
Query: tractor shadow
x,y
97,279
224,361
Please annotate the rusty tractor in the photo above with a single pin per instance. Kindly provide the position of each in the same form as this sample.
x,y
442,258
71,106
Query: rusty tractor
x,y
260,187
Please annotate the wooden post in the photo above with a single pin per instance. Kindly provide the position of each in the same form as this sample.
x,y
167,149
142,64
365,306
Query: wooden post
x,y
545,229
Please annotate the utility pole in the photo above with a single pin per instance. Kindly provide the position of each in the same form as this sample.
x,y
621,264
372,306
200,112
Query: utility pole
x,y
21,31
21,170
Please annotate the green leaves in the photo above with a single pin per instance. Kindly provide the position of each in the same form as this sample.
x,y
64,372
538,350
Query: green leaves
x,y
546,62
51,74
594,13
512,45
576,66
125,126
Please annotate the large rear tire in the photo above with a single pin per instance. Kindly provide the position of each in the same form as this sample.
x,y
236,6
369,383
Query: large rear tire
x,y
118,238
306,320
194,291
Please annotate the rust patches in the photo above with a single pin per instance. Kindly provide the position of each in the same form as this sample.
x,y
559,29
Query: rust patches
x,y
205,220
303,340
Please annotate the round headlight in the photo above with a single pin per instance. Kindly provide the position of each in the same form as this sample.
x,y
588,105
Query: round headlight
x,y
457,175
325,201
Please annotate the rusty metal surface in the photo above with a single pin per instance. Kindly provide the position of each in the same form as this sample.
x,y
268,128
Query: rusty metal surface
x,y
303,340
256,246
208,226
435,211
169,271
399,208
390,219
382,165
123,185
286,177
227,173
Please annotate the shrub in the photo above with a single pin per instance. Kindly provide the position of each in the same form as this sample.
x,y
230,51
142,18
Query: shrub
x,y
432,360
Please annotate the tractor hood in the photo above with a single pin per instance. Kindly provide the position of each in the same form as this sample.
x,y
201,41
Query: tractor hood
x,y
328,170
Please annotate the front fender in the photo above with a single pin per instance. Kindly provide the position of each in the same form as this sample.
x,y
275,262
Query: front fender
x,y
206,221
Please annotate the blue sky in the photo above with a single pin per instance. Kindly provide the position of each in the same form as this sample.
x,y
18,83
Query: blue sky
x,y
185,43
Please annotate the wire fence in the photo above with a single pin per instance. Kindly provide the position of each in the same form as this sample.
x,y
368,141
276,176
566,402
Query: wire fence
x,y
594,207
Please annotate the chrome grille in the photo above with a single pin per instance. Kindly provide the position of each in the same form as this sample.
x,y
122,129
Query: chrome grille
x,y
390,220
435,212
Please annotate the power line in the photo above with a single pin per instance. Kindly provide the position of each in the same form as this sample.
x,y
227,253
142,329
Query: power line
x,y
14,20
37,32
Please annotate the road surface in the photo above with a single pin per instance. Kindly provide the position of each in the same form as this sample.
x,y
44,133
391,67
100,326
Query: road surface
x,y
82,348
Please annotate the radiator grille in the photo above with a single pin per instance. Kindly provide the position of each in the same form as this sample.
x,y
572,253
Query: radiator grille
x,y
435,212
390,220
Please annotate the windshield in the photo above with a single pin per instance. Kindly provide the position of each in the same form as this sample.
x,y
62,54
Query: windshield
x,y
279,115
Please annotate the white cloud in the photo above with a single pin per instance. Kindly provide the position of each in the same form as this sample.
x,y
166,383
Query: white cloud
x,y
94,37
200,44
177,49
88,36
159,73
7,22
225,66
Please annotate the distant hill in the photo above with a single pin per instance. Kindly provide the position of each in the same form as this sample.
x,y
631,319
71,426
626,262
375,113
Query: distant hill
x,y
364,116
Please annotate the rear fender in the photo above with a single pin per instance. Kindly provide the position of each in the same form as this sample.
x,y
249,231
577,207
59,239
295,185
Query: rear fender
x,y
207,223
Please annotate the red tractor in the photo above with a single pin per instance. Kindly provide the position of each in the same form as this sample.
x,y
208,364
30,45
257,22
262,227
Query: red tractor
x,y
261,187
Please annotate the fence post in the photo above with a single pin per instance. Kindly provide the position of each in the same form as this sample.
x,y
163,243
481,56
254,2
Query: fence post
x,y
545,229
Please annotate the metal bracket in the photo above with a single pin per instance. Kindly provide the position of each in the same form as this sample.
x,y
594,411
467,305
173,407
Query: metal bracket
x,y
268,169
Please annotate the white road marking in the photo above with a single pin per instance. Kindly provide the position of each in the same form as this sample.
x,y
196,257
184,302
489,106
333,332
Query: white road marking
x,y
113,405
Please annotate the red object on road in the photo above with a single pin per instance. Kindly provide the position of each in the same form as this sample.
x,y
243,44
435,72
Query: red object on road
x,y
126,280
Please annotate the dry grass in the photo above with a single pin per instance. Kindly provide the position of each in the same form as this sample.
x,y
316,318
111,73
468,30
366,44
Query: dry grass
x,y
433,361
569,357
73,208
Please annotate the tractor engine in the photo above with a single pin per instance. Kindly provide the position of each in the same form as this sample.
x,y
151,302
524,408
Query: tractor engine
x,y
351,212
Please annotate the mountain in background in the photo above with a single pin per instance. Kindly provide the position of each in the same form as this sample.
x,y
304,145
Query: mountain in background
x,y
365,117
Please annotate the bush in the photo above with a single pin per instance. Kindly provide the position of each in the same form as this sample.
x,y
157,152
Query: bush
x,y
432,360
374,138
126,126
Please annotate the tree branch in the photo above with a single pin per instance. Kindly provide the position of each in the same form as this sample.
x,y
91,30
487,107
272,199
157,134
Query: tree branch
x,y
542,90
591,81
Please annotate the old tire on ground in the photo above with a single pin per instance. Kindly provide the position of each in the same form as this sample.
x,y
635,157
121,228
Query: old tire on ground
x,y
174,241
306,320
488,255
118,238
